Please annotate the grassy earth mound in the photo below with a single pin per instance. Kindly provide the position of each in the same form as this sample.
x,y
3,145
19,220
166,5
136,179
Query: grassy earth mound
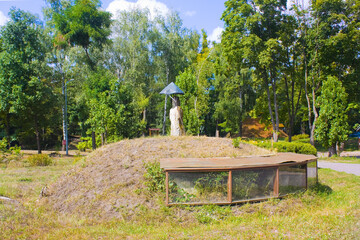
x,y
110,181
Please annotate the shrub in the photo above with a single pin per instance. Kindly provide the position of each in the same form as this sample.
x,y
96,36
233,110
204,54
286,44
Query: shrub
x,y
303,140
12,154
154,176
3,145
82,146
114,138
300,136
15,150
236,142
39,160
86,143
296,147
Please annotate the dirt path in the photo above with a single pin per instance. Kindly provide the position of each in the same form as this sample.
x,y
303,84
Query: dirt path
x,y
341,167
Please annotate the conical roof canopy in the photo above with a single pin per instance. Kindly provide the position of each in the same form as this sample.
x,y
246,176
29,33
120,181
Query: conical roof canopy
x,y
171,89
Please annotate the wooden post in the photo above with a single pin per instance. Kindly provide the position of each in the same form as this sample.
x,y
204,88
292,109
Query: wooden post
x,y
276,183
230,187
167,188
317,179
306,175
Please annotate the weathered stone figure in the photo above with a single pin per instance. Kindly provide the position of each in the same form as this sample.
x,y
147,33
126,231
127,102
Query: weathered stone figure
x,y
176,118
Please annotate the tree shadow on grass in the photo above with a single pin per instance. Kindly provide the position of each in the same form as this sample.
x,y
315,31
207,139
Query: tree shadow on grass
x,y
322,189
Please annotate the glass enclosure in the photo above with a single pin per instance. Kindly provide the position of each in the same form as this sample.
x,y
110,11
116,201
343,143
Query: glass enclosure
x,y
292,179
228,186
311,173
253,184
198,187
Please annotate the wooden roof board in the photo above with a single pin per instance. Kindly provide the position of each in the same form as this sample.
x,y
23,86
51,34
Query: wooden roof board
x,y
229,163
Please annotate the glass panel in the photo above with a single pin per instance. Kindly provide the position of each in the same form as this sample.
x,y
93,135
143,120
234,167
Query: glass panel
x,y
292,179
253,184
312,173
198,187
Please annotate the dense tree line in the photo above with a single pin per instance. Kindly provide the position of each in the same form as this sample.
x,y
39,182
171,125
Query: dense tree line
x,y
292,65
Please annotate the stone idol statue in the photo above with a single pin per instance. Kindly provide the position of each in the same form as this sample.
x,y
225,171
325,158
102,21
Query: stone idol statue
x,y
176,118
176,114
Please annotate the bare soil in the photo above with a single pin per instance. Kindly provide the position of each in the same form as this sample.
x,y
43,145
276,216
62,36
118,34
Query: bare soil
x,y
109,183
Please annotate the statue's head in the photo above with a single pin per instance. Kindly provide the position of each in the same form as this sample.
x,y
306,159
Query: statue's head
x,y
175,101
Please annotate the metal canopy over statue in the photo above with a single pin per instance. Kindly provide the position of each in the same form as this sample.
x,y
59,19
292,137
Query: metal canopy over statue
x,y
176,114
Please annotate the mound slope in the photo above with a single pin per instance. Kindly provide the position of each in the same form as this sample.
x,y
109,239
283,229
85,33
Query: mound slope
x,y
110,183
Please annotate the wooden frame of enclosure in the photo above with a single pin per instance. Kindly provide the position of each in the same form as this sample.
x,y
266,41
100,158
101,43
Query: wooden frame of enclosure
x,y
203,165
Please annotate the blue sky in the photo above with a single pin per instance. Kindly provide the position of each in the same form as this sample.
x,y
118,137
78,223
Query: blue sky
x,y
196,14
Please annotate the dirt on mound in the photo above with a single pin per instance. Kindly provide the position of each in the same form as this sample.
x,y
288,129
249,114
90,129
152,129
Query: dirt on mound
x,y
110,182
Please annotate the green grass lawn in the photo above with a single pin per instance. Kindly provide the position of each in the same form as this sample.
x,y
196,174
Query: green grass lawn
x,y
329,211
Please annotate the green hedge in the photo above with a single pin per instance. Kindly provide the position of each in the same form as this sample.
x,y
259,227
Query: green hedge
x,y
296,147
299,137
304,140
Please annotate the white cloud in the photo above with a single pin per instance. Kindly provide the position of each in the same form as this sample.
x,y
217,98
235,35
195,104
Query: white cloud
x,y
155,8
3,19
216,35
190,13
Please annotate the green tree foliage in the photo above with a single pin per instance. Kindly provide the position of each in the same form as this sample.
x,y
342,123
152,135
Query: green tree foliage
x,y
271,64
81,23
26,91
132,59
332,43
113,112
175,48
253,36
332,126
148,55
195,81
236,99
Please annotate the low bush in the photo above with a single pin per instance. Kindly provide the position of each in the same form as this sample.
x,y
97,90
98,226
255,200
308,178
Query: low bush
x,y
303,140
82,146
13,154
3,145
300,136
154,176
236,142
86,143
39,160
295,147
114,138
16,150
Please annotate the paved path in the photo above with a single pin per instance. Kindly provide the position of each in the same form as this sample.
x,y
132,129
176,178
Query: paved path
x,y
341,167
